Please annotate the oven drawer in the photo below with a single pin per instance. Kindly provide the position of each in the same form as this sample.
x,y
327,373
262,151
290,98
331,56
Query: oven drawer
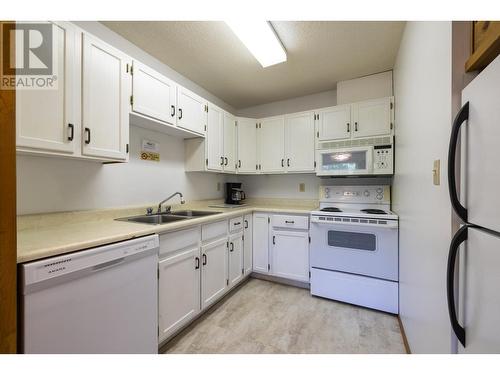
x,y
358,290
289,221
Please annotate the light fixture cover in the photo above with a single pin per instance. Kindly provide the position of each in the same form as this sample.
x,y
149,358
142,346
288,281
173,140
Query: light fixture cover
x,y
261,40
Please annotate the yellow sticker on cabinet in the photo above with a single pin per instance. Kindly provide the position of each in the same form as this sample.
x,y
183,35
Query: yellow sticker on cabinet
x,y
150,150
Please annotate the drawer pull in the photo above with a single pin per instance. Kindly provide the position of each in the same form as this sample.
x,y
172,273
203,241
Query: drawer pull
x,y
237,223
289,222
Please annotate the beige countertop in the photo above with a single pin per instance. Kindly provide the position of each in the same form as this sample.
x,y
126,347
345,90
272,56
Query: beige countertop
x,y
43,235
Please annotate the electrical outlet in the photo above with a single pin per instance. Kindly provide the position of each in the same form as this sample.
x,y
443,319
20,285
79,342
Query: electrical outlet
x,y
436,172
302,187
218,186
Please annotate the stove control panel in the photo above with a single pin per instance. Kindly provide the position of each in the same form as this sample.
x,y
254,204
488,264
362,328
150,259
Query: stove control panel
x,y
382,160
355,194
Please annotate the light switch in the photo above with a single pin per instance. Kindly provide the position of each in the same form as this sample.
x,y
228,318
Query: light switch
x,y
302,187
436,173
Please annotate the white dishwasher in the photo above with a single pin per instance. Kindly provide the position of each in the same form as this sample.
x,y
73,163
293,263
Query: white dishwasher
x,y
101,300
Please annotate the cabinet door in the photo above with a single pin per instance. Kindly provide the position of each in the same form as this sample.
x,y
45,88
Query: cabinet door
x,y
106,100
47,119
246,135
229,143
299,136
334,123
261,242
372,117
191,114
235,259
214,279
290,255
247,243
153,94
214,139
178,290
271,142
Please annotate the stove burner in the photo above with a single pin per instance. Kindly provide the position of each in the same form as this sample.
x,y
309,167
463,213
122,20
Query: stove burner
x,y
331,209
374,211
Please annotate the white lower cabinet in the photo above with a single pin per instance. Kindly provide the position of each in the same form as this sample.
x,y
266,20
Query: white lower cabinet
x,y
235,247
261,242
178,290
281,245
290,254
214,271
247,244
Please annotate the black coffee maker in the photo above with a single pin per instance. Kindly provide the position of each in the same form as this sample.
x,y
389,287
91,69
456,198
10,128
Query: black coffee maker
x,y
234,194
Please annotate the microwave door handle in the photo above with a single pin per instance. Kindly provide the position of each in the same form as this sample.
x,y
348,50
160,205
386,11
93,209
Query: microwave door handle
x,y
457,240
462,116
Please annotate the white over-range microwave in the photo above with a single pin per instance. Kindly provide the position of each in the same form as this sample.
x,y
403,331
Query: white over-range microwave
x,y
356,160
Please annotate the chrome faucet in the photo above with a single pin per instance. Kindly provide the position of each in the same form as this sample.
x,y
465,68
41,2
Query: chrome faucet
x,y
166,199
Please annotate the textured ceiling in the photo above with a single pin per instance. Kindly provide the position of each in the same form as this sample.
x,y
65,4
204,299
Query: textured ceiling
x,y
319,55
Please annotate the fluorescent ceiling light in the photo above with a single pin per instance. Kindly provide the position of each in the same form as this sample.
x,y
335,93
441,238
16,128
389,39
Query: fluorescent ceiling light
x,y
261,40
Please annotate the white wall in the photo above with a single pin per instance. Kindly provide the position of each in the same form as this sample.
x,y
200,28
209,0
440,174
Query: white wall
x,y
422,88
55,184
298,104
373,86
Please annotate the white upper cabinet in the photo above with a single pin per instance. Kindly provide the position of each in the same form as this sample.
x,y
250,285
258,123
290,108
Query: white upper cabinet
x,y
299,142
372,117
191,111
153,94
215,138
48,120
271,142
229,143
246,145
105,104
334,123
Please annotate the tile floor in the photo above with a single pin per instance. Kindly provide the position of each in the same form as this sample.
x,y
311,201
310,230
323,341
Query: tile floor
x,y
266,317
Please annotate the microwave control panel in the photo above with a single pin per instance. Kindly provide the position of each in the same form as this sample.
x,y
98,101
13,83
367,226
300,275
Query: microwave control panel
x,y
383,159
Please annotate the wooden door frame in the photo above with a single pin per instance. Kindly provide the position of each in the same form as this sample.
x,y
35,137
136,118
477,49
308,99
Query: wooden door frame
x,y
8,246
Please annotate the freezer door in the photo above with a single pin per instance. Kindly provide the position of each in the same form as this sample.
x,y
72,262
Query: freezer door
x,y
481,145
479,302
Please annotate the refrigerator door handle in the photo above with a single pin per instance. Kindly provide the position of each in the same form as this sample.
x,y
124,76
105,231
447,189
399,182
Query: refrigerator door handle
x,y
457,240
461,117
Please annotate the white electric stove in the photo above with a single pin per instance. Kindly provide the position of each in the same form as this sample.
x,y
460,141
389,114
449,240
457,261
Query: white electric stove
x,y
354,247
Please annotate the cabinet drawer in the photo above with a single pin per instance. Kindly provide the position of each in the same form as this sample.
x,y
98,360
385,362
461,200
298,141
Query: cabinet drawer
x,y
213,231
235,224
288,221
170,242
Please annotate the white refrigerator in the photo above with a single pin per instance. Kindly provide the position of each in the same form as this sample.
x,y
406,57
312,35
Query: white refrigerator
x,y
474,254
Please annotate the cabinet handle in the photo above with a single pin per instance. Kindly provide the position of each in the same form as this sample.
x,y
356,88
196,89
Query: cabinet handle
x,y
348,128
239,163
288,162
282,162
71,132
226,161
204,259
246,224
274,240
221,160
355,126
289,222
197,263
180,113
231,247
173,111
87,132
237,223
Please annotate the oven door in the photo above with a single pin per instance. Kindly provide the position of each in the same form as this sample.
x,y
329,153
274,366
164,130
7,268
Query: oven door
x,y
348,161
363,250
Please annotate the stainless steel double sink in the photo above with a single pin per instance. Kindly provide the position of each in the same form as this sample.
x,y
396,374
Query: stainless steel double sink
x,y
168,217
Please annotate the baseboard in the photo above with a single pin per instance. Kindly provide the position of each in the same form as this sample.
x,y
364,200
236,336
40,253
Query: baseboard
x,y
281,280
405,339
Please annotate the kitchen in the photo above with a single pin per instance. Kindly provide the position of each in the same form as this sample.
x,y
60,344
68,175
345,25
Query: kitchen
x,y
163,209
